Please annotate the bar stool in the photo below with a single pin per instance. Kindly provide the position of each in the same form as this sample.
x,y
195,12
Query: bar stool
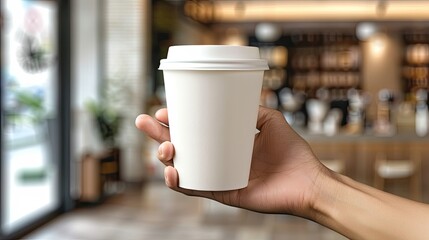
x,y
399,168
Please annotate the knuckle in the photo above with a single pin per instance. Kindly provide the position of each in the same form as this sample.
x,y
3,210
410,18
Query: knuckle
x,y
276,114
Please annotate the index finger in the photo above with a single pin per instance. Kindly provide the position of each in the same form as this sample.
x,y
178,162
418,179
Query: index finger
x,y
162,116
153,128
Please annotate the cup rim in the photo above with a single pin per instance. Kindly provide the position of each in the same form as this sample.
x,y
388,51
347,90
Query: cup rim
x,y
214,64
213,57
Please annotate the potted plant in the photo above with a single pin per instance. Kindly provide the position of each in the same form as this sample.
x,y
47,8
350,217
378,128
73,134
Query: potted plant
x,y
108,123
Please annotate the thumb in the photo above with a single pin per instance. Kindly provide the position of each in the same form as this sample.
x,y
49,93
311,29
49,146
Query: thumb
x,y
275,119
267,114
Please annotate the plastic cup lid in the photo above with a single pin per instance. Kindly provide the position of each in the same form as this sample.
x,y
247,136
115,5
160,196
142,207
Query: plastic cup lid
x,y
213,57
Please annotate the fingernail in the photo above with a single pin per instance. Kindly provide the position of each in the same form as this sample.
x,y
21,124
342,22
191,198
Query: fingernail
x,y
160,152
167,182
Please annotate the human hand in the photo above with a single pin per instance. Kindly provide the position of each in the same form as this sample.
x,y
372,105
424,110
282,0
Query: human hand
x,y
283,172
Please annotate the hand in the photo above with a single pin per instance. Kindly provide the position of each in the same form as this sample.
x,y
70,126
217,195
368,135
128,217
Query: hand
x,y
283,172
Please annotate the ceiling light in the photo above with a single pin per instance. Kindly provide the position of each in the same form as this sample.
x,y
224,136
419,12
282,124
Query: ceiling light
x,y
365,30
268,32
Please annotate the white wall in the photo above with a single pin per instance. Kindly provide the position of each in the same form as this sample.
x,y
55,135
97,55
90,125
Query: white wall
x,y
84,82
122,41
127,55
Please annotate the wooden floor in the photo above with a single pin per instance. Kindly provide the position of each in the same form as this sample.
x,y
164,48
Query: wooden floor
x,y
155,212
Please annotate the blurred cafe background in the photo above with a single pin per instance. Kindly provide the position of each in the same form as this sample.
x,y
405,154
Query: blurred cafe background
x,y
351,77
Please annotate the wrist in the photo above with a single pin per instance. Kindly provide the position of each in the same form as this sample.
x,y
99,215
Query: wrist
x,y
361,212
323,195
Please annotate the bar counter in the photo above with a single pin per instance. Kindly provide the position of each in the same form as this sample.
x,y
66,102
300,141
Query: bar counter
x,y
358,153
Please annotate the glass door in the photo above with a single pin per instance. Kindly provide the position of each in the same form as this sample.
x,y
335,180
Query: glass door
x,y
29,83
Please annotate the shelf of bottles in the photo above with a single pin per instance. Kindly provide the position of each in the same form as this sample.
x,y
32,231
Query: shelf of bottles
x,y
330,61
306,66
415,70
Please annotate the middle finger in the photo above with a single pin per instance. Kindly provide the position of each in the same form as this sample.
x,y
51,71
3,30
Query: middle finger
x,y
166,153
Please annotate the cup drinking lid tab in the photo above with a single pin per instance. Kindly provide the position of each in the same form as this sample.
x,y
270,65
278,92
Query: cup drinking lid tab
x,y
213,57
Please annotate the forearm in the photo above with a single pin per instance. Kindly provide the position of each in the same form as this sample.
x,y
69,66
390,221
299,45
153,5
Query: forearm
x,y
361,212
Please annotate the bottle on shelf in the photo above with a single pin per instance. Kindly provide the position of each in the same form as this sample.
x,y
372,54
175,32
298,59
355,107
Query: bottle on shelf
x,y
356,111
383,124
422,114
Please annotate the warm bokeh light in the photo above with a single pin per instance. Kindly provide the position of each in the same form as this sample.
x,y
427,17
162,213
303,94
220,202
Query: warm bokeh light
x,y
378,44
243,11
351,77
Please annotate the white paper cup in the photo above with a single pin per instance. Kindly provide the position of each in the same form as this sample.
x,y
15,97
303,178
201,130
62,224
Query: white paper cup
x,y
212,95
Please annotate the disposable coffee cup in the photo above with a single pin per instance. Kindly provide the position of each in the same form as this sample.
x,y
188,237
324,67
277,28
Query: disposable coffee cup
x,y
212,94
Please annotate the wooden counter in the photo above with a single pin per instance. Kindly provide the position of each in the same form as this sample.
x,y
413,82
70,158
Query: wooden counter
x,y
358,152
